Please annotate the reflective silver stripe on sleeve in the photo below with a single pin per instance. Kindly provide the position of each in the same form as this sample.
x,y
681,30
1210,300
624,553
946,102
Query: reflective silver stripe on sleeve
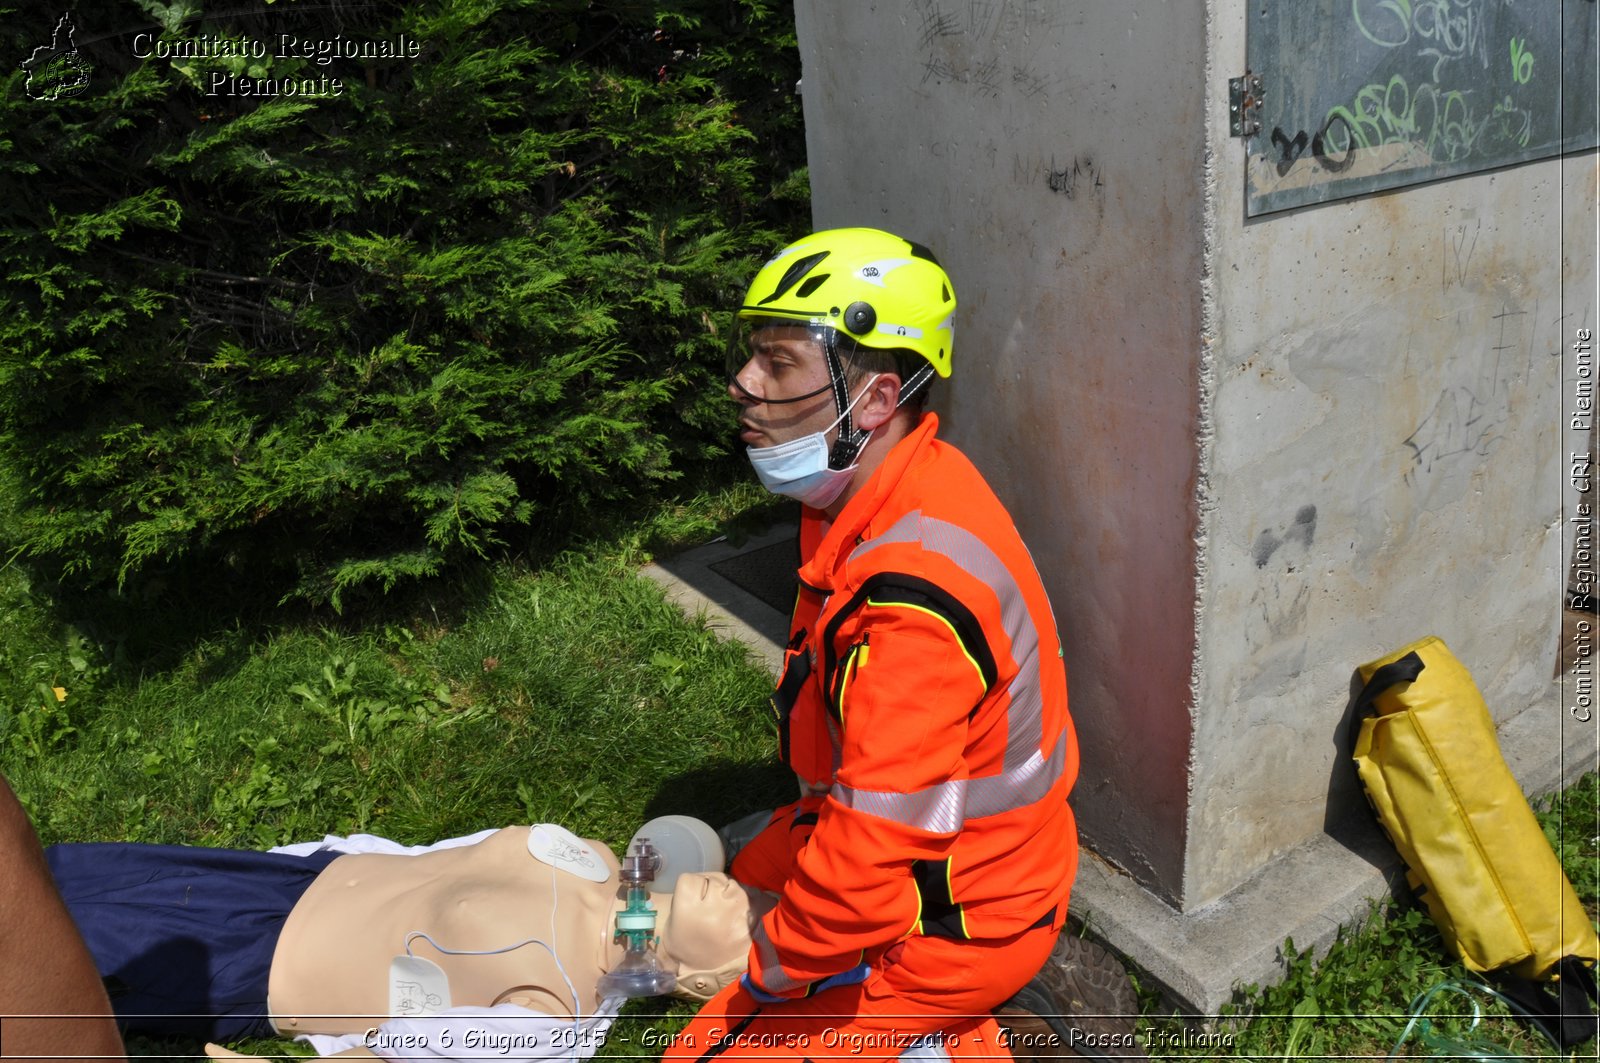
x,y
1025,716
770,976
1017,787
945,807
940,809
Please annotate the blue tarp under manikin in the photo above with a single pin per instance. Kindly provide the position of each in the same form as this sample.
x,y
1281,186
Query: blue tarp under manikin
x,y
183,935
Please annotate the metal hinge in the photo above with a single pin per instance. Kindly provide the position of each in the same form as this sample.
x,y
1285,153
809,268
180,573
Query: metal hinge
x,y
1244,105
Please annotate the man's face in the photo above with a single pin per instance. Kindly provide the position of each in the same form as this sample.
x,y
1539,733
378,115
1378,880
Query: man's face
x,y
784,362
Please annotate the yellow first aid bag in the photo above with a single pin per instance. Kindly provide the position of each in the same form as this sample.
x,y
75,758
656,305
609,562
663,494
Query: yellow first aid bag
x,y
1427,755
1426,752
1474,854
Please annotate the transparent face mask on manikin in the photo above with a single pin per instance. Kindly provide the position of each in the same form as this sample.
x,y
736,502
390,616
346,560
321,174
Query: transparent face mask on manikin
x,y
799,468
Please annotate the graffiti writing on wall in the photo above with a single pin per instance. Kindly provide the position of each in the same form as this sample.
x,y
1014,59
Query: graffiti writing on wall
x,y
992,49
1447,31
1362,95
982,44
1460,424
1440,107
1274,621
1449,124
1467,421
985,18
1291,149
1456,261
1070,179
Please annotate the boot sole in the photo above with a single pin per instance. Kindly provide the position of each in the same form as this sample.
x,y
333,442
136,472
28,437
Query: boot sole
x,y
1080,1005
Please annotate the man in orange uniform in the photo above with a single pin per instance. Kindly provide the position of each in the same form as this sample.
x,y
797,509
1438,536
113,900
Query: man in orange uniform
x,y
923,874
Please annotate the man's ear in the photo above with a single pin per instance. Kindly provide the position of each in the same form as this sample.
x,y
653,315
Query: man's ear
x,y
883,395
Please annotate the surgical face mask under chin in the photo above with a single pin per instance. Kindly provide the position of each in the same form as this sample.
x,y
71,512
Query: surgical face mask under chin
x,y
799,469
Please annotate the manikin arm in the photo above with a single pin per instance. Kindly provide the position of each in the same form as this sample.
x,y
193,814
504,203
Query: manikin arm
x,y
45,969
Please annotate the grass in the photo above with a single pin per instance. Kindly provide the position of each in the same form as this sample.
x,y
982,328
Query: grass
x,y
572,692
539,705
1351,1002
1355,1000
567,690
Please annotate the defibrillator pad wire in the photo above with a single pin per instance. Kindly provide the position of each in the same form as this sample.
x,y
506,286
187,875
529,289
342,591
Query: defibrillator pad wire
x,y
555,903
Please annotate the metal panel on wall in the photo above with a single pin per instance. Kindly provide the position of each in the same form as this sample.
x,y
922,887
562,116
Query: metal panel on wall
x,y
1362,95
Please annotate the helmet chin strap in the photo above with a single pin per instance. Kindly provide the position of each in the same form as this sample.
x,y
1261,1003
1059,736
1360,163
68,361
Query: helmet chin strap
x,y
847,447
910,387
747,393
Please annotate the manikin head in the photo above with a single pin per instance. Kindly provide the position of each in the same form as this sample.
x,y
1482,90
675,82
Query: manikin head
x,y
705,927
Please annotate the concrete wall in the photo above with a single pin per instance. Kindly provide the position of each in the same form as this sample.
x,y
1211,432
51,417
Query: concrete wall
x,y
1247,455
1003,136
1383,379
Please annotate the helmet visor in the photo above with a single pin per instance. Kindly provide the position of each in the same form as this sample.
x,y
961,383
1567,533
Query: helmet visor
x,y
779,359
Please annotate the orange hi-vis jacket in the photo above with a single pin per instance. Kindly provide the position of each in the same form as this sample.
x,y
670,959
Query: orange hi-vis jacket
x,y
923,703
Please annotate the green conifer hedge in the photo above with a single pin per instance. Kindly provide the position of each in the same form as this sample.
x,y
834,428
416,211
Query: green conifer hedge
x,y
360,288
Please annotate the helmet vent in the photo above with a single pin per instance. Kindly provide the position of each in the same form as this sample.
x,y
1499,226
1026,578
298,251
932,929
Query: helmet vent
x,y
811,284
793,275
946,289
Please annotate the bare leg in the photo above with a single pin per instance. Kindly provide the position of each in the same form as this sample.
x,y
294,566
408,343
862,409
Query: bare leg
x,y
45,970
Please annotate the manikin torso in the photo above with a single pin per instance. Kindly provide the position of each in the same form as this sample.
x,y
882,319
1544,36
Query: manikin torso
x,y
330,972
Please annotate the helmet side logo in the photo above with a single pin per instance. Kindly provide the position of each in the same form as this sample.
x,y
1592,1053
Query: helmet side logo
x,y
878,272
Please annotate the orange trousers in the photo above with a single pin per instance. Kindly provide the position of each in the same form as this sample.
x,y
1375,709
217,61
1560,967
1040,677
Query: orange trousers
x,y
922,985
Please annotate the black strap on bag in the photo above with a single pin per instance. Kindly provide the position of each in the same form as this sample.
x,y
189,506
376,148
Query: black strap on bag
x,y
1564,1011
1404,670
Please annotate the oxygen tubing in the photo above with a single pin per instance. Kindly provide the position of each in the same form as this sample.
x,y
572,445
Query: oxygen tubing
x,y
1469,1048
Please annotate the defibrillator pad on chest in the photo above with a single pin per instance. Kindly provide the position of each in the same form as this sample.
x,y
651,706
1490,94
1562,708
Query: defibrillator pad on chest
x,y
417,986
562,849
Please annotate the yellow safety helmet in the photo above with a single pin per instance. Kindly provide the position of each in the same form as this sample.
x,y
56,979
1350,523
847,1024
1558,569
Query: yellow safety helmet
x,y
880,290
853,289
